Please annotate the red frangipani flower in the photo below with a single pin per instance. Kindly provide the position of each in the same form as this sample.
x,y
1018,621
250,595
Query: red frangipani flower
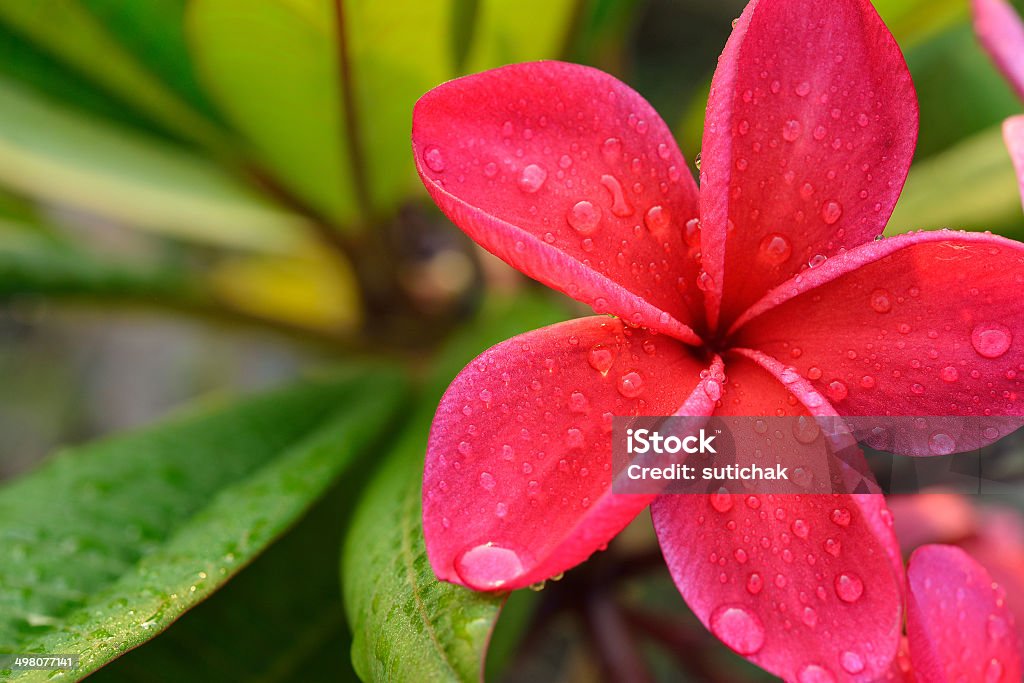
x,y
1002,33
763,293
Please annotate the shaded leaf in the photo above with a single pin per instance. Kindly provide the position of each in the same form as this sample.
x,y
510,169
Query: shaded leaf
x,y
971,186
56,156
69,31
509,32
107,544
406,624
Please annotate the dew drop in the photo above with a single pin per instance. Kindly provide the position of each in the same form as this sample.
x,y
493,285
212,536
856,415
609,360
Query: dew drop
x,y
692,232
881,301
601,359
849,587
584,217
754,583
800,528
831,212
578,402
812,673
837,390
841,517
721,501
941,443
739,628
775,249
488,566
487,481
434,159
803,89
620,206
656,219
851,662
994,671
532,178
631,384
949,374
791,130
991,340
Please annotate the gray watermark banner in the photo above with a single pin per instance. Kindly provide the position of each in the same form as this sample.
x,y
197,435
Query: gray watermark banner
x,y
804,454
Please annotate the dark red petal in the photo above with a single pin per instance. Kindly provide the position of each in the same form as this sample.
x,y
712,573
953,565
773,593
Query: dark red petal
x,y
811,126
804,586
571,177
1013,133
930,324
1002,33
958,625
517,486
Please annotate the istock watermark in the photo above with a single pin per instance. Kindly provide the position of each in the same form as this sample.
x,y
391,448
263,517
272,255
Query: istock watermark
x,y
804,454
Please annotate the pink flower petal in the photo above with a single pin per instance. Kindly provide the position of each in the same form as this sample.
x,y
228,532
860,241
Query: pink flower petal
x,y
958,625
811,126
930,324
571,177
1002,34
804,586
999,547
517,486
935,517
1013,133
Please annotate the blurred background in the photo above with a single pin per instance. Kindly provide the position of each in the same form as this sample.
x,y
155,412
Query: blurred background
x,y
214,196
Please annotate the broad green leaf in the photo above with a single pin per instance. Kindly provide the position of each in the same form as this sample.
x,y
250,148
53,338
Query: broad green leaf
x,y
69,31
107,544
272,67
913,21
406,624
960,91
971,186
330,117
262,626
57,156
508,32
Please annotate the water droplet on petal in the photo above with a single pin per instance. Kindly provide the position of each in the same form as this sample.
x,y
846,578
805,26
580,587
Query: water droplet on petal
x,y
754,583
831,212
532,178
601,359
434,159
791,130
775,249
881,301
631,384
949,374
578,402
739,628
812,673
994,671
692,232
842,517
941,443
851,662
584,217
721,501
620,206
487,481
991,340
803,89
611,150
849,587
488,566
837,390
656,219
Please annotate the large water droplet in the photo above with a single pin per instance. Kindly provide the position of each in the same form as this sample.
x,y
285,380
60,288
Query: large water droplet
x,y
601,358
739,628
812,673
532,178
831,212
584,217
881,301
791,130
851,662
620,206
991,340
434,159
631,384
775,249
941,443
849,587
488,566
656,219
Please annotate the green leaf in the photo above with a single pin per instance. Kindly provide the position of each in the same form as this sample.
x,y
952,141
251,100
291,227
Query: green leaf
x,y
509,32
33,262
106,545
56,156
331,117
70,32
406,624
913,21
262,626
971,186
